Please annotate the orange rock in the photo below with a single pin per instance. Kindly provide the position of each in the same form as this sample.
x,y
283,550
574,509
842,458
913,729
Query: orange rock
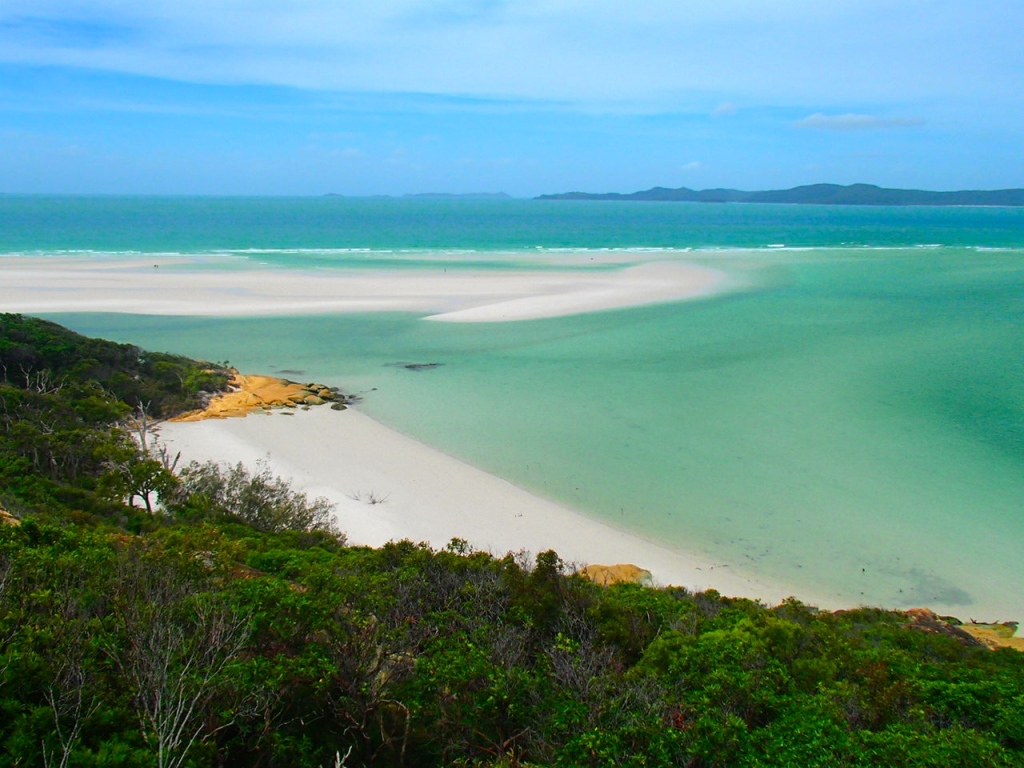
x,y
249,393
995,636
6,518
992,636
615,574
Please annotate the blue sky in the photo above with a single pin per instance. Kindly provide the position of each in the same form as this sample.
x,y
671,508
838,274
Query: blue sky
x,y
526,97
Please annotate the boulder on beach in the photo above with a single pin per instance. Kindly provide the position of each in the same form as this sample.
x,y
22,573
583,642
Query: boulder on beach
x,y
615,574
264,393
973,633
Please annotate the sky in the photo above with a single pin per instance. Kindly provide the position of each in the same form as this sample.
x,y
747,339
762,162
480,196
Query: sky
x,y
526,97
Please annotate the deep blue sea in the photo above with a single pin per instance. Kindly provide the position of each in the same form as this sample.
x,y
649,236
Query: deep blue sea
x,y
851,422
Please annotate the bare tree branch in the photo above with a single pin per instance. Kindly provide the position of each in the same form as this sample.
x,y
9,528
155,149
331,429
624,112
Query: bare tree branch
x,y
175,646
71,708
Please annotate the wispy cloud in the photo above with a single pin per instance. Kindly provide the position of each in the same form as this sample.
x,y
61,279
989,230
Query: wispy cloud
x,y
576,51
856,122
65,32
582,93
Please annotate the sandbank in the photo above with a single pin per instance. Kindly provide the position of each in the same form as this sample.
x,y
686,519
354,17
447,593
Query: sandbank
x,y
388,486
182,286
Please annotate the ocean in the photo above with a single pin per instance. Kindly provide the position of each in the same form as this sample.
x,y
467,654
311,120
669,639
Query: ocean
x,y
848,421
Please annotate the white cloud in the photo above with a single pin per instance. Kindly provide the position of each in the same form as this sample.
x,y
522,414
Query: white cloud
x,y
692,166
659,52
725,109
855,122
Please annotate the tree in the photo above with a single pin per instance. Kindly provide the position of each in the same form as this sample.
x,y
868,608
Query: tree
x,y
68,698
7,630
134,475
263,501
172,643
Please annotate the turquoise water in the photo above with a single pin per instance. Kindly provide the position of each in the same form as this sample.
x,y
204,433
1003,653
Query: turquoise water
x,y
851,423
36,223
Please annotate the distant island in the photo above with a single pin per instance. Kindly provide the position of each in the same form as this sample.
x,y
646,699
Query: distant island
x,y
813,194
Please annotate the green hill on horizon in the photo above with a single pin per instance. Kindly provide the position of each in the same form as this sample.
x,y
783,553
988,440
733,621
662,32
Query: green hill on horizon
x,y
812,194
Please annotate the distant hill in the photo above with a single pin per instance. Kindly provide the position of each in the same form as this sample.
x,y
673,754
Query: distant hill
x,y
813,194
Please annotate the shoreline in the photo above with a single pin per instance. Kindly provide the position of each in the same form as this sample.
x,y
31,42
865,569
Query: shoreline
x,y
388,486
373,513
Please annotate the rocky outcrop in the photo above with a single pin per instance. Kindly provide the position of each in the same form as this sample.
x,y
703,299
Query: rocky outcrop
x,y
265,393
972,633
614,574
925,620
995,636
6,518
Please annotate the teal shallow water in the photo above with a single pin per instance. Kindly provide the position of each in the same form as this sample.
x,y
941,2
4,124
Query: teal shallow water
x,y
852,424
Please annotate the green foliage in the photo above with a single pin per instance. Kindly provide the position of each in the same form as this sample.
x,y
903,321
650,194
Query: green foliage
x,y
136,476
63,401
41,356
259,499
234,627
407,656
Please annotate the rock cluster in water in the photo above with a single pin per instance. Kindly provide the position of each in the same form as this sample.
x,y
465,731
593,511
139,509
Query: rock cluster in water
x,y
266,393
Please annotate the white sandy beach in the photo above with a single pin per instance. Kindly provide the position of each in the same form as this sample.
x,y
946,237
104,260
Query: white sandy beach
x,y
388,486
158,285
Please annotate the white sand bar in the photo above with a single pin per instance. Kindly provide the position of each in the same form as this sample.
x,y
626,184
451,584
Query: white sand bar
x,y
388,486
158,285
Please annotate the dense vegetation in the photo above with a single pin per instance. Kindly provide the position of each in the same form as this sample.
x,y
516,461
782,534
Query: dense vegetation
x,y
231,626
67,403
